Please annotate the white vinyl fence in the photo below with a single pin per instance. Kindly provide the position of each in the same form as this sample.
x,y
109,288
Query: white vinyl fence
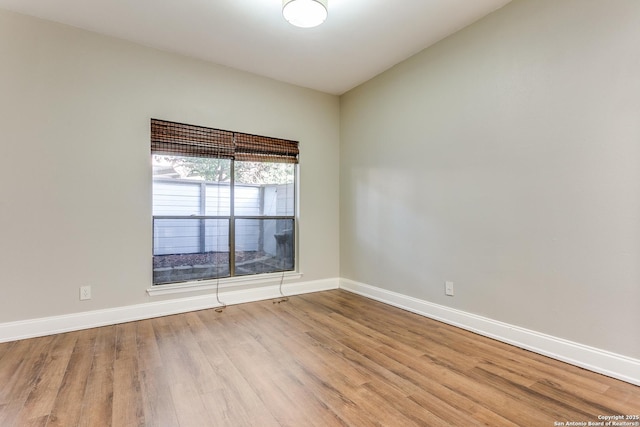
x,y
200,198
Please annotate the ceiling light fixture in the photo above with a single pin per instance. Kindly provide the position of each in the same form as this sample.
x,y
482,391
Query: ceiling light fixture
x,y
305,13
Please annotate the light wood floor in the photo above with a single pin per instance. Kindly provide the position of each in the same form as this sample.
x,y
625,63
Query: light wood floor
x,y
324,359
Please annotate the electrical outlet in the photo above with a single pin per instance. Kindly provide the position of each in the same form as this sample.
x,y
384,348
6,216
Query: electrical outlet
x,y
85,293
448,288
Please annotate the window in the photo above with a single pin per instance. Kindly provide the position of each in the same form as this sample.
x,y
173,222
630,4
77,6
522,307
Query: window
x,y
223,203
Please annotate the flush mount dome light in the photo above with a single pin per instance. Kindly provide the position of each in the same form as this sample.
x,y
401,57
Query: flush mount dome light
x,y
305,13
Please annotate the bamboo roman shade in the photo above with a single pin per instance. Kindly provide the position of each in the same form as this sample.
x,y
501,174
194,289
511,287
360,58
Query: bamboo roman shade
x,y
177,139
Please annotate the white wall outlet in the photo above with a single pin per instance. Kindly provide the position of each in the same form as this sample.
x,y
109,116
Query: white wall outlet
x,y
448,288
85,293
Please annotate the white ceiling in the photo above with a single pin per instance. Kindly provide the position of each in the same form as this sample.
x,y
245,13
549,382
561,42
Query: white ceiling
x,y
360,39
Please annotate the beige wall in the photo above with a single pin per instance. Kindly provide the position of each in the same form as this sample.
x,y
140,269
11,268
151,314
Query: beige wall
x,y
75,170
506,159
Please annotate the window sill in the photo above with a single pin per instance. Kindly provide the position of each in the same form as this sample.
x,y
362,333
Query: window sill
x,y
228,282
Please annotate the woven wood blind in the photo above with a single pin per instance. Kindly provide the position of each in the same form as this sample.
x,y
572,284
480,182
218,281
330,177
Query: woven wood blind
x,y
252,148
177,139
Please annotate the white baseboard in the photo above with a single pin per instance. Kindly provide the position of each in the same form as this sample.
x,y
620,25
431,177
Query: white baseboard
x,y
12,331
604,362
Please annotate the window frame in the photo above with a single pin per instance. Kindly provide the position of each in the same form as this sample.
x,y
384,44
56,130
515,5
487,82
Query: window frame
x,y
249,143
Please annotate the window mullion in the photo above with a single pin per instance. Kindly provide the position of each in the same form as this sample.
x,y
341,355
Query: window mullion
x,y
232,221
203,212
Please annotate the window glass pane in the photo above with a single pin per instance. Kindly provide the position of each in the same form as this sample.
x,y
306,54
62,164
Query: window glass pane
x,y
264,246
190,249
264,189
218,199
191,186
172,197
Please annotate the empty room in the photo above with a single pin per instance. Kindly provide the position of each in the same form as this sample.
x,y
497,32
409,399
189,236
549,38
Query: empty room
x,y
320,213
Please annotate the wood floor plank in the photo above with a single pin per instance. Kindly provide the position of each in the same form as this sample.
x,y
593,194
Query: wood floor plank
x,y
324,359
627,395
68,404
19,370
5,348
227,411
34,422
97,404
126,341
589,404
190,409
157,401
534,402
233,398
19,375
191,364
127,403
42,397
264,388
147,347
